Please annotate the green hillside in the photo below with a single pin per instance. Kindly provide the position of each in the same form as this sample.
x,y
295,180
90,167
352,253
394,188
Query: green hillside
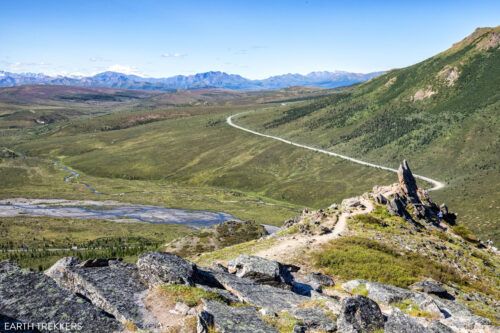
x,y
441,114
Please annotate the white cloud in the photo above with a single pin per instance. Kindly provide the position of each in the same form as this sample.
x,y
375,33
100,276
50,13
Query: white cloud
x,y
124,69
173,55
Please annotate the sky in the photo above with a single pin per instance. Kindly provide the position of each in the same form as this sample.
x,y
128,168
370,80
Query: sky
x,y
253,38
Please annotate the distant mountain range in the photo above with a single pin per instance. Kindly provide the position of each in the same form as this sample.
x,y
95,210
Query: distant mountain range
x,y
201,80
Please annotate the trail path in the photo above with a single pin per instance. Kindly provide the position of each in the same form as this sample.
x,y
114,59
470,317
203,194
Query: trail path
x,y
291,246
437,185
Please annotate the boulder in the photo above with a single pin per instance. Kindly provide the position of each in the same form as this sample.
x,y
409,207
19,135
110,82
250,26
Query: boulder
x,y
261,295
458,316
227,319
30,297
315,319
157,268
398,322
384,293
352,203
380,199
431,287
438,327
359,314
304,284
113,286
260,270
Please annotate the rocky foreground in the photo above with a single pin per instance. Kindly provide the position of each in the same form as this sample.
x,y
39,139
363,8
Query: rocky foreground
x,y
251,292
163,292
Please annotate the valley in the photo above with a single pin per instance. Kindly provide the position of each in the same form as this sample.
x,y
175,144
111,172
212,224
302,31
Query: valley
x,y
205,167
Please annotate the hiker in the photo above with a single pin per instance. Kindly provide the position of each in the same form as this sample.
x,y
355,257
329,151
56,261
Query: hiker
x,y
440,216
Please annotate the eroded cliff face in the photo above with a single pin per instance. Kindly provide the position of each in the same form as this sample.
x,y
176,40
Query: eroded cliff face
x,y
250,292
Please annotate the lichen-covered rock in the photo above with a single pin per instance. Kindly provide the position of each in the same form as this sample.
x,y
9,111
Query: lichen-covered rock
x,y
458,316
261,295
305,284
113,286
227,319
157,268
260,270
431,287
398,322
34,298
384,293
359,314
315,319
438,327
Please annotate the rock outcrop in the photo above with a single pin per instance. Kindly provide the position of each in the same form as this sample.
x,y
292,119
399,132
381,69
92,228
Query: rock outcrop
x,y
157,268
261,270
113,286
227,319
39,304
411,202
107,295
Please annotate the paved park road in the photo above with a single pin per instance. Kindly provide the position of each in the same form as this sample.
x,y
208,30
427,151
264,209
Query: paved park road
x,y
437,185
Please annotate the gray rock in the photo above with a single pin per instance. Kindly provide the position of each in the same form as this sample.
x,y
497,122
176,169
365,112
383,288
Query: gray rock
x,y
157,268
351,203
350,285
397,206
407,182
315,319
299,328
437,327
431,287
380,199
398,322
113,286
181,308
226,295
227,319
384,293
359,314
318,280
31,297
458,316
260,270
332,303
305,284
261,295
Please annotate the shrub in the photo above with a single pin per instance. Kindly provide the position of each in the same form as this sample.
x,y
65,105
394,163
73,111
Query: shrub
x,y
465,233
362,258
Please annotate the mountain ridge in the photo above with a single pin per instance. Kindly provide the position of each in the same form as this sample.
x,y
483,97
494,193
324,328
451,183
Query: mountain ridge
x,y
210,79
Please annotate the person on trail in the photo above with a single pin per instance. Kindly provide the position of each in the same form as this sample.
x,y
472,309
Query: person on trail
x,y
440,216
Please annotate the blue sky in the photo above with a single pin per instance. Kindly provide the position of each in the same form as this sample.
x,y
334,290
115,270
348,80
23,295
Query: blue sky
x,y
253,38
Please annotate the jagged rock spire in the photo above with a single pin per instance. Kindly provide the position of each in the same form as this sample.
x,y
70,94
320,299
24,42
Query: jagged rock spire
x,y
407,182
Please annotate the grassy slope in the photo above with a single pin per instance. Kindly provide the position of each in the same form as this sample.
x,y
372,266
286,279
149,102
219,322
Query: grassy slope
x,y
451,136
202,151
186,157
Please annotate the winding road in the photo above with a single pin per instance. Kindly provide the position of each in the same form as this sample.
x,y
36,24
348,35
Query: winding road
x,y
437,185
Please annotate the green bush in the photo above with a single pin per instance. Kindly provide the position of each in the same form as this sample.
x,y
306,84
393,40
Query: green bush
x,y
465,233
362,258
